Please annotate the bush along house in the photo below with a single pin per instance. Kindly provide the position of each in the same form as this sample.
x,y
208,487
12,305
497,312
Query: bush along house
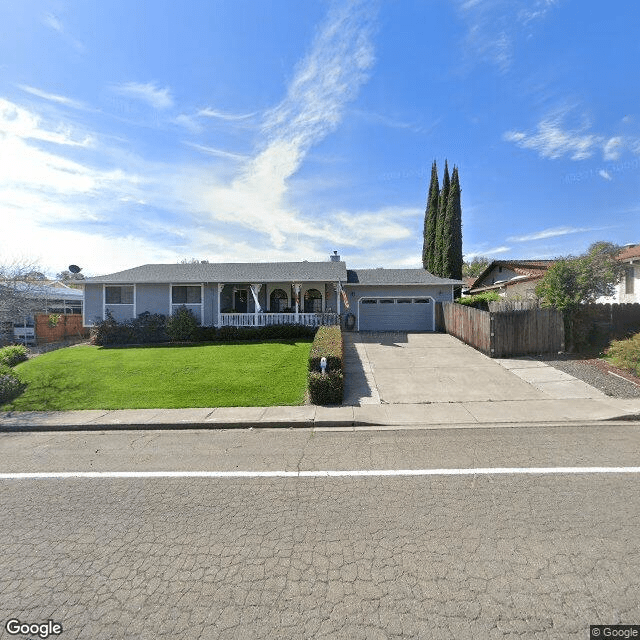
x,y
260,294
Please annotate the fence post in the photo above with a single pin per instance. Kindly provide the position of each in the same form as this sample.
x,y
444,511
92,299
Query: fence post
x,y
492,335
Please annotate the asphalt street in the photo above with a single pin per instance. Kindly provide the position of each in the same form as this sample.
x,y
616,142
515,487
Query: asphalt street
x,y
486,555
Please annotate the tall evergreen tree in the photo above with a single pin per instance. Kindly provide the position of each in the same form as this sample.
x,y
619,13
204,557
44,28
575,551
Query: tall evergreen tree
x,y
451,266
430,220
437,264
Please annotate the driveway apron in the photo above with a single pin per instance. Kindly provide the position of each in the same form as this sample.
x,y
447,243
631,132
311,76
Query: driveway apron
x,y
414,368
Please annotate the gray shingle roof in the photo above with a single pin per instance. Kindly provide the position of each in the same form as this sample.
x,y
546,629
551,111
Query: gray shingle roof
x,y
396,276
240,272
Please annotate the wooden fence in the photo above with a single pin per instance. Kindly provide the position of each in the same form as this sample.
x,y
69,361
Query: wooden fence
x,y
502,334
57,327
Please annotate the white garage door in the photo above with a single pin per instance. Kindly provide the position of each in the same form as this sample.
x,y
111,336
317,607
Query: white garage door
x,y
396,314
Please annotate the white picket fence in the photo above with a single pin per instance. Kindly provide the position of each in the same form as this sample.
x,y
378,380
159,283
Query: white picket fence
x,y
266,319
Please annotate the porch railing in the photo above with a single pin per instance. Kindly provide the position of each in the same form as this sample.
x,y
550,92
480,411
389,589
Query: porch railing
x,y
266,319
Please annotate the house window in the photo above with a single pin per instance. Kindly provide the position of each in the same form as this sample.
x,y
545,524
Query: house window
x,y
629,277
278,301
368,301
186,295
312,301
118,295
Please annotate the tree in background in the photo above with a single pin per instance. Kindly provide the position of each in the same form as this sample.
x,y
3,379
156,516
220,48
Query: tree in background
x,y
451,254
437,264
442,233
430,221
474,267
70,279
21,292
572,281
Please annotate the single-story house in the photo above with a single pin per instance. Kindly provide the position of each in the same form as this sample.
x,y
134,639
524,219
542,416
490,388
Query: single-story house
x,y
628,289
511,278
259,294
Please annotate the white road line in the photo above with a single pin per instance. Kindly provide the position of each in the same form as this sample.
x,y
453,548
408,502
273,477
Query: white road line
x,y
368,473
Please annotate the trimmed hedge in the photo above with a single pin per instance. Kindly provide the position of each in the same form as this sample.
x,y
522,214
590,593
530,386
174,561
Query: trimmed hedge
x,y
11,356
156,328
327,388
270,332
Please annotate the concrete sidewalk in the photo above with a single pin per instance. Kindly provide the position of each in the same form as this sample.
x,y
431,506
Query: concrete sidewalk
x,y
432,415
418,394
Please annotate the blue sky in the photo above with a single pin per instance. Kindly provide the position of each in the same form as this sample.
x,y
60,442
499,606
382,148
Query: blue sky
x,y
282,130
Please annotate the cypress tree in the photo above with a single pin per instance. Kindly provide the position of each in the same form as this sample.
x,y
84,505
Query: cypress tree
x,y
452,234
456,222
430,219
437,264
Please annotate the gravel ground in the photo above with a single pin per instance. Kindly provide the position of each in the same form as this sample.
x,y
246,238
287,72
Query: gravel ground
x,y
598,374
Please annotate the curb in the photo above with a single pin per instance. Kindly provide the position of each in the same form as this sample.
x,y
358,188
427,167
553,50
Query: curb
x,y
345,425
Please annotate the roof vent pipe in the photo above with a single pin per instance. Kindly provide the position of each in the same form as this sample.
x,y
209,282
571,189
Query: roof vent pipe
x,y
335,257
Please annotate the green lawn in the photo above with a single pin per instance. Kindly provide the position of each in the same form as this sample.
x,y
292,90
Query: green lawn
x,y
230,375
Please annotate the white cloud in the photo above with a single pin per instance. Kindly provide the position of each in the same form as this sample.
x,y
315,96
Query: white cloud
x,y
232,210
493,26
54,22
52,97
18,122
208,112
220,153
603,173
487,252
550,233
551,140
613,148
327,78
156,97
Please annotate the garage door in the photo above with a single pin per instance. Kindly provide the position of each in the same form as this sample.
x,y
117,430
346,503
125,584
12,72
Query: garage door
x,y
396,314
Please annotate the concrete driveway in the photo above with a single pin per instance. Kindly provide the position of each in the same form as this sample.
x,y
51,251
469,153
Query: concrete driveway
x,y
414,368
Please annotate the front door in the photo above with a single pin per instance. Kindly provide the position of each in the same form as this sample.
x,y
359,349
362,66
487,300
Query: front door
x,y
240,301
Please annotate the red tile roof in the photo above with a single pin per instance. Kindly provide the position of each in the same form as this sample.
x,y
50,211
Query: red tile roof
x,y
630,252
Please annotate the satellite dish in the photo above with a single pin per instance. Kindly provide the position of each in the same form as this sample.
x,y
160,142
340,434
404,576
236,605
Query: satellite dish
x,y
74,268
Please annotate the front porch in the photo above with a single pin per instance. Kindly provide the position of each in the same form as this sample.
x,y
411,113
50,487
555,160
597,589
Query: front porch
x,y
266,319
312,304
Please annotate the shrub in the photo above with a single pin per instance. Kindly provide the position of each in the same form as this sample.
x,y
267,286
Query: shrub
x,y
480,300
327,388
205,334
182,326
10,384
149,328
11,356
110,331
270,332
626,354
328,344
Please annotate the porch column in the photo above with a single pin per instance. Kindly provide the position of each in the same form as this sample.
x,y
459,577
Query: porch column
x,y
255,290
296,294
220,288
338,294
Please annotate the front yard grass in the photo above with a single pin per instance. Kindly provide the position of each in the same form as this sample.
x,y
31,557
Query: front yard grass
x,y
216,375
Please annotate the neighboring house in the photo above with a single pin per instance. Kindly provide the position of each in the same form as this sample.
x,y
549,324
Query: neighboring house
x,y
51,297
511,278
258,294
628,289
